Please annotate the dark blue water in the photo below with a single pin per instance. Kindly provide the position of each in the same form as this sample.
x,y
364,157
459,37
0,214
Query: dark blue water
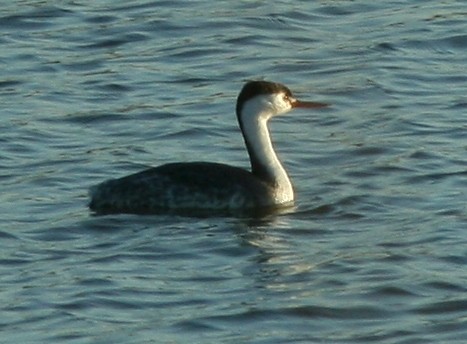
x,y
374,252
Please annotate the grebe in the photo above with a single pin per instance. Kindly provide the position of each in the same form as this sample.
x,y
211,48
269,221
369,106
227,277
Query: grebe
x,y
206,186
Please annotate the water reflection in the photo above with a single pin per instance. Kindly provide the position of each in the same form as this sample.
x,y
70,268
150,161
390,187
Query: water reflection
x,y
279,259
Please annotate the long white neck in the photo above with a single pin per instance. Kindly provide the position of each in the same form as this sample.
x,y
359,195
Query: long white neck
x,y
264,161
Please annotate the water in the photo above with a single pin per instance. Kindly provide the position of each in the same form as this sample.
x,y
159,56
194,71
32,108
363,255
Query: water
x,y
375,251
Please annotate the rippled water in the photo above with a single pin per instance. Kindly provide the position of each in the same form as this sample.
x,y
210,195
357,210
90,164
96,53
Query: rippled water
x,y
375,250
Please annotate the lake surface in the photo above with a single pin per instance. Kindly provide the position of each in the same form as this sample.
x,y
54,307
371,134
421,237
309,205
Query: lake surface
x,y
375,250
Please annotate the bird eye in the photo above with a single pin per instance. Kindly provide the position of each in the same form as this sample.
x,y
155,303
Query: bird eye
x,y
289,99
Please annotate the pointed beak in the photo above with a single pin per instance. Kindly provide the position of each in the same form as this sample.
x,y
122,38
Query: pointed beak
x,y
308,105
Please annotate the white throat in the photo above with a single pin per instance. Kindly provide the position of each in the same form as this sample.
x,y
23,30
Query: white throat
x,y
254,117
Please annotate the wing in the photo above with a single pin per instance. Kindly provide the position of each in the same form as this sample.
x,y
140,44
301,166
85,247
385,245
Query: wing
x,y
196,185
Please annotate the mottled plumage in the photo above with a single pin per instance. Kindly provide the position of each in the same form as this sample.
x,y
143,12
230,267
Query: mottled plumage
x,y
182,186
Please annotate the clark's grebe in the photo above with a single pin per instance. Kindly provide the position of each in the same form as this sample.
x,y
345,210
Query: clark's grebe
x,y
207,186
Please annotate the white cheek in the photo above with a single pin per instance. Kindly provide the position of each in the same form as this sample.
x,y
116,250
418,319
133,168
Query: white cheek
x,y
282,106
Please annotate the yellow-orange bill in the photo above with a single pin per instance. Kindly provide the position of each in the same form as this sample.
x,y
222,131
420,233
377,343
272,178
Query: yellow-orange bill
x,y
309,105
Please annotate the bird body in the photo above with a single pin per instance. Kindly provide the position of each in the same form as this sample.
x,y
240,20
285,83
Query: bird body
x,y
205,186
183,186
